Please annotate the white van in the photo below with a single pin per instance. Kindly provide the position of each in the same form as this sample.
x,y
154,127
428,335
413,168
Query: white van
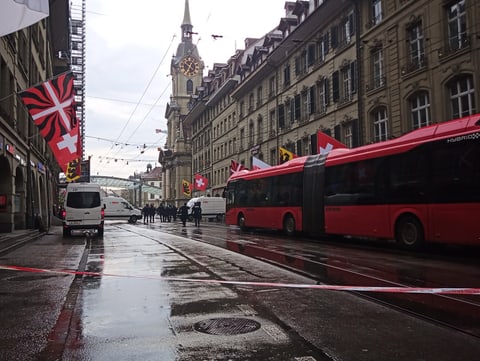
x,y
83,208
120,208
212,207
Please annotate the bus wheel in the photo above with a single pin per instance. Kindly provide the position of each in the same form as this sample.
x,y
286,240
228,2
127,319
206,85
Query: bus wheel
x,y
289,226
409,232
242,222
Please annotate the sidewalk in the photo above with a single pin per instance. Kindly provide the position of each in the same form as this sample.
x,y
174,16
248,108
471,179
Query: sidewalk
x,y
18,237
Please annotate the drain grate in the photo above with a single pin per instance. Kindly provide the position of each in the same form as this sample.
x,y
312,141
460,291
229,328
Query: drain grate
x,y
226,326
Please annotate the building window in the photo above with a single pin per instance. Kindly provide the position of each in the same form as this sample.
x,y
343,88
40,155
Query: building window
x,y
347,29
348,135
259,96
286,75
462,96
377,13
250,102
420,110
457,25
323,47
189,86
323,96
346,91
377,67
271,87
416,46
380,124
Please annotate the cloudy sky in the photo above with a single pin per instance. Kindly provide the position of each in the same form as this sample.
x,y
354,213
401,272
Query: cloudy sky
x,y
129,49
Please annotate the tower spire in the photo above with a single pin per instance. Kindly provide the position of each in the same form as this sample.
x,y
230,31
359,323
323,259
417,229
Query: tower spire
x,y
187,24
186,15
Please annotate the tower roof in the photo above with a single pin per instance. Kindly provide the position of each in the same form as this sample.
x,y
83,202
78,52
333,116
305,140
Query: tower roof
x,y
186,15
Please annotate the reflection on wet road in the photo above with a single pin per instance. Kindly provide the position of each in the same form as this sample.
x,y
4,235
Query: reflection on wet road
x,y
357,264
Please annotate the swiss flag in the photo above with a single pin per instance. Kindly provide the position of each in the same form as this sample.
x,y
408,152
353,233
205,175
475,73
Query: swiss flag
x,y
326,143
201,182
236,167
52,108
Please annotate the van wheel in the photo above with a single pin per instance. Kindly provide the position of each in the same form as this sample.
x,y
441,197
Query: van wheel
x,y
409,232
242,222
100,232
289,225
66,233
132,220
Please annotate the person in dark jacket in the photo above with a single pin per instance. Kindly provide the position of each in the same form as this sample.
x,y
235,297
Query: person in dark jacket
x,y
146,213
197,213
184,213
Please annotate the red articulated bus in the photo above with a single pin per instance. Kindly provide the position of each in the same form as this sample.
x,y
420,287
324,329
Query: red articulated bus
x,y
421,187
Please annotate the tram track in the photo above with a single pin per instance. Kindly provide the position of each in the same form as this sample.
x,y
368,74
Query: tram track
x,y
460,313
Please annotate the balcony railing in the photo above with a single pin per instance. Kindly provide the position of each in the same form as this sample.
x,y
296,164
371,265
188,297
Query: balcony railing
x,y
454,47
413,66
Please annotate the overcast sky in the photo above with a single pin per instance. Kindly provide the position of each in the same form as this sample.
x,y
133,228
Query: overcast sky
x,y
129,49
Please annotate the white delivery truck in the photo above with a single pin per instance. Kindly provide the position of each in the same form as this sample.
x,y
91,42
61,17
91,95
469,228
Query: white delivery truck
x,y
83,208
120,208
212,207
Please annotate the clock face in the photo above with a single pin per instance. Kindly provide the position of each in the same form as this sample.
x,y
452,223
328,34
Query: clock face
x,y
189,66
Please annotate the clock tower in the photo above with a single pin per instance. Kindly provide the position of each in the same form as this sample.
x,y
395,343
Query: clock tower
x,y
186,71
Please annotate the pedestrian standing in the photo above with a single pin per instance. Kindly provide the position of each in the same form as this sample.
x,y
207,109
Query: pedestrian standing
x,y
184,213
146,213
197,213
152,213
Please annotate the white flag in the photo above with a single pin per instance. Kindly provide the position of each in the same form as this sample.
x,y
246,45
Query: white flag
x,y
258,164
18,14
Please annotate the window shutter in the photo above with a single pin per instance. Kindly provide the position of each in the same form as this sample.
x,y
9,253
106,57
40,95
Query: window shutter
x,y
335,86
334,35
337,133
299,148
281,116
313,144
327,91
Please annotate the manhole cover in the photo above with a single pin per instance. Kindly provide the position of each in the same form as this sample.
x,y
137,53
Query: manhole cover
x,y
226,326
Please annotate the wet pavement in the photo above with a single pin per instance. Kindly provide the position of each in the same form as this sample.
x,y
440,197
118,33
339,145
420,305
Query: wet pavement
x,y
153,296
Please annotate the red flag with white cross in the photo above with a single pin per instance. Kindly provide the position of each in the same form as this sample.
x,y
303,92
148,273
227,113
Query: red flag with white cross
x,y
52,108
201,182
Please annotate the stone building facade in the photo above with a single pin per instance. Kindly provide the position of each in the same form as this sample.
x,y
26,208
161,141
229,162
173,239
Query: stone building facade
x,y
361,71
28,170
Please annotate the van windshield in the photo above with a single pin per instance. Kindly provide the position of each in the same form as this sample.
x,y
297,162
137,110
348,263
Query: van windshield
x,y
83,200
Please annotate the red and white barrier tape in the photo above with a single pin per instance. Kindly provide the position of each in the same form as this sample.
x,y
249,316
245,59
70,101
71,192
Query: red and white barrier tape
x,y
418,290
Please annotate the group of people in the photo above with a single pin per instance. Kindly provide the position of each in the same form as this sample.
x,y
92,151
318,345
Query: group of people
x,y
169,212
165,212
196,213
